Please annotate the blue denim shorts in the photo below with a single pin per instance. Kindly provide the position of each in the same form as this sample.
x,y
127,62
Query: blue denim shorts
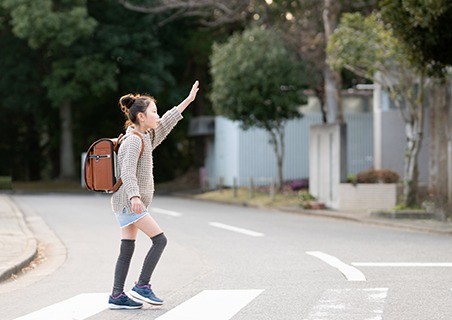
x,y
125,218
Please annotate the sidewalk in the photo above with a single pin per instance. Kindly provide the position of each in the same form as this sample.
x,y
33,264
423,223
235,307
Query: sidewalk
x,y
18,247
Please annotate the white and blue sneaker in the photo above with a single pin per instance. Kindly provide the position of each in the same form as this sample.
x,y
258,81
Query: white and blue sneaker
x,y
123,302
145,293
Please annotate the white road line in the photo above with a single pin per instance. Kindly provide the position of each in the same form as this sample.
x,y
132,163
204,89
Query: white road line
x,y
167,212
403,264
76,308
350,273
236,229
212,304
350,304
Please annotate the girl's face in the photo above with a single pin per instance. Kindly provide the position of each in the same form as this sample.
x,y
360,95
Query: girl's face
x,y
150,117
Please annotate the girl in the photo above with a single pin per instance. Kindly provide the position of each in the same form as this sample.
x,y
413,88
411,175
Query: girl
x,y
132,200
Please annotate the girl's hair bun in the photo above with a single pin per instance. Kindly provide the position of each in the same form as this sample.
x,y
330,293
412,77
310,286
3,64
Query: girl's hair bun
x,y
127,101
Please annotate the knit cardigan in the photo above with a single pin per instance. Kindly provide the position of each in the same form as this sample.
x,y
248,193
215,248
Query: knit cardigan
x,y
135,171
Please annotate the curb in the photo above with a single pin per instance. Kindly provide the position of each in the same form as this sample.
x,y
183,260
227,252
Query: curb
x,y
21,237
384,221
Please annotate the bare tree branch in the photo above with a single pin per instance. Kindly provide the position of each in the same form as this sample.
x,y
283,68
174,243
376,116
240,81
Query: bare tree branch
x,y
212,13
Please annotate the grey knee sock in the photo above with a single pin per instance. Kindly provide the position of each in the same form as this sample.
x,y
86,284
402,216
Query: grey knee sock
x,y
122,265
153,256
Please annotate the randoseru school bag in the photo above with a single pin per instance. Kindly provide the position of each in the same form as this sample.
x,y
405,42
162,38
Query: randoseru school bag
x,y
100,164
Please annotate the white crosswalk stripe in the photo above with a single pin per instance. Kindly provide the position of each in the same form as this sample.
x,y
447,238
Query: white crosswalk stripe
x,y
212,304
70,309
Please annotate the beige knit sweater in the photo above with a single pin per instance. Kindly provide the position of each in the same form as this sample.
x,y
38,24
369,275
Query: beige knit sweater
x,y
136,172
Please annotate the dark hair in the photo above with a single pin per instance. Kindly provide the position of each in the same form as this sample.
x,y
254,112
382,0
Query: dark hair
x,y
131,105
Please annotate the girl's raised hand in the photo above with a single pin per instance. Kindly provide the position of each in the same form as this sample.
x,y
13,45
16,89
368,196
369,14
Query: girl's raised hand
x,y
191,96
194,91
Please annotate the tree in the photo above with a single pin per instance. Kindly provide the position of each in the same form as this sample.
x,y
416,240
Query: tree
x,y
123,53
309,24
367,47
23,126
52,27
258,82
425,29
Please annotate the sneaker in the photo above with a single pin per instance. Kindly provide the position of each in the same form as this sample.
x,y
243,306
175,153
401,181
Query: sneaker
x,y
145,293
123,302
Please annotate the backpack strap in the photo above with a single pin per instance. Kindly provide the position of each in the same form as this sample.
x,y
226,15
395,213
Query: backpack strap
x,y
120,138
142,143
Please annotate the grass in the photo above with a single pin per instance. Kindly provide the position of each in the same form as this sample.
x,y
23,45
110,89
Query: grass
x,y
243,197
47,186
5,183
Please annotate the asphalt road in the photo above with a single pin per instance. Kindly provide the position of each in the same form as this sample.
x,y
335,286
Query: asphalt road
x,y
229,262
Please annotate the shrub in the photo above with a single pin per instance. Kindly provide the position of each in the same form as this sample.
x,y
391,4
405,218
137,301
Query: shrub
x,y
305,199
305,196
388,176
368,176
377,176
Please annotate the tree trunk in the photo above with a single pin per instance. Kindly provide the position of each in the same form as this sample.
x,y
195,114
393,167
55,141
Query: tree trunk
x,y
67,165
277,140
410,183
337,92
320,94
414,129
333,81
440,114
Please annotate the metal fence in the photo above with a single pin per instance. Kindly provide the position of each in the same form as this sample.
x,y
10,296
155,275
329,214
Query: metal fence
x,y
243,154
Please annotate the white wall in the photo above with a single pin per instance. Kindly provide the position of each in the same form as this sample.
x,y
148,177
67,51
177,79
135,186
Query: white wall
x,y
226,150
327,162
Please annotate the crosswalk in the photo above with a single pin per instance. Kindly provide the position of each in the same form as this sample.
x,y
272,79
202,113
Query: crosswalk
x,y
334,303
350,303
224,304
207,305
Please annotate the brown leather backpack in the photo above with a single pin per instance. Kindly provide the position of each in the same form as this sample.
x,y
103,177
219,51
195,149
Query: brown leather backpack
x,y
99,168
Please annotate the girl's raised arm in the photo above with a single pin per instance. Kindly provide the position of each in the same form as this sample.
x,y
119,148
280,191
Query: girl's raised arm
x,y
190,98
